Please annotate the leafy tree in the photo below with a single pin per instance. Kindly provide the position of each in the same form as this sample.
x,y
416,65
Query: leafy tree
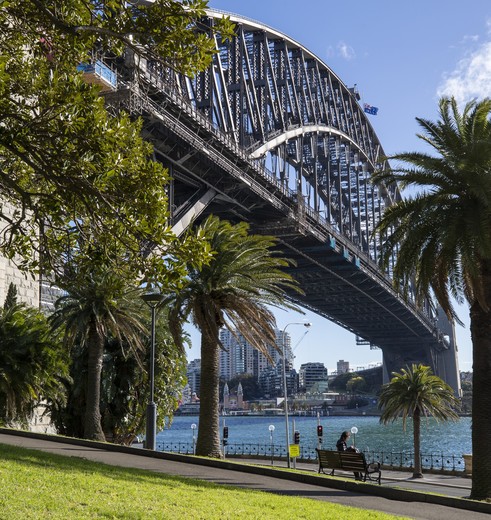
x,y
63,160
32,363
97,305
356,384
124,387
415,392
442,236
67,413
232,291
341,381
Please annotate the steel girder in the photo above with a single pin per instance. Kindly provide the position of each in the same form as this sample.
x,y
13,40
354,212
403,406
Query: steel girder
x,y
298,120
269,134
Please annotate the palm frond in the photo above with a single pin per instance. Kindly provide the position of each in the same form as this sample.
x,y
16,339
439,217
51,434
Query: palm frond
x,y
442,235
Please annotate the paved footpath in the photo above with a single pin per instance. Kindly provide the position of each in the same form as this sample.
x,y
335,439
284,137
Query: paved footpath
x,y
393,496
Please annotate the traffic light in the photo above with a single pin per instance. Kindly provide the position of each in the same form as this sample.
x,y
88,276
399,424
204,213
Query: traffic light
x,y
225,435
319,430
296,437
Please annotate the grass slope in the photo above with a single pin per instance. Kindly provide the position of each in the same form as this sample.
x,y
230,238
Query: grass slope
x,y
38,485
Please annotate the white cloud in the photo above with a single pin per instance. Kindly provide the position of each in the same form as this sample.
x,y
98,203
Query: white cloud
x,y
471,78
345,51
470,38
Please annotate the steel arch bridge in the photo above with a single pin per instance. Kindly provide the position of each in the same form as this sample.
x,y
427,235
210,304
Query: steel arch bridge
x,y
269,134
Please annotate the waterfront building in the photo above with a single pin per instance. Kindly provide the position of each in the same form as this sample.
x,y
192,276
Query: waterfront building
x,y
310,374
239,357
193,374
271,380
233,401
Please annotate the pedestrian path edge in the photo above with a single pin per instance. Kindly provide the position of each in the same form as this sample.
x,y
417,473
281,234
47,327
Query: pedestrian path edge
x,y
392,493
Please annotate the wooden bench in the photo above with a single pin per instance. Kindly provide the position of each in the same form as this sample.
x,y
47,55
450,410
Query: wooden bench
x,y
348,461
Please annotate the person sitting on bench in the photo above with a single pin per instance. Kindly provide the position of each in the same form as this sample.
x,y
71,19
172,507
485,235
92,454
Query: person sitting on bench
x,y
342,445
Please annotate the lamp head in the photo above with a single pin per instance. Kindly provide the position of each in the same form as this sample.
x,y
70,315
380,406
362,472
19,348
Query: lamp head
x,y
152,297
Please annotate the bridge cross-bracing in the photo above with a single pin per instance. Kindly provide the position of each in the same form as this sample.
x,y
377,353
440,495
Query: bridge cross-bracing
x,y
269,134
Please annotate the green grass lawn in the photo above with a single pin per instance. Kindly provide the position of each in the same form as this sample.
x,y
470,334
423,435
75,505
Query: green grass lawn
x,y
37,485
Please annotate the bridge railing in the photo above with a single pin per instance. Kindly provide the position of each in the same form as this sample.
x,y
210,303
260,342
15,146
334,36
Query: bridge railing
x,y
308,213
159,82
402,460
167,89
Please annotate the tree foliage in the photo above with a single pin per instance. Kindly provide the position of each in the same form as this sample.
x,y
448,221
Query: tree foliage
x,y
356,384
442,232
65,164
124,387
11,298
341,381
442,237
98,304
233,290
32,363
414,393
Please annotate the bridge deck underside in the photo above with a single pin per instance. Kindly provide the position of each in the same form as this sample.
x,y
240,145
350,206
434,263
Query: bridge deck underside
x,y
334,285
268,134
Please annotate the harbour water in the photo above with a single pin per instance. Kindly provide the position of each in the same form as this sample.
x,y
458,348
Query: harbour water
x,y
450,438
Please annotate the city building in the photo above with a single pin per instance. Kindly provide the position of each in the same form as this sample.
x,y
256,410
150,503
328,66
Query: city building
x,y
239,357
271,380
342,366
193,374
233,401
310,374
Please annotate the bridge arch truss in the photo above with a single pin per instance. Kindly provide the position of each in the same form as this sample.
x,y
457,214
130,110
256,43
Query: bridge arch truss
x,y
297,119
269,134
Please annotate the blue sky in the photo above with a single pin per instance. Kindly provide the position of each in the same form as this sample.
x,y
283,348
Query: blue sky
x,y
402,56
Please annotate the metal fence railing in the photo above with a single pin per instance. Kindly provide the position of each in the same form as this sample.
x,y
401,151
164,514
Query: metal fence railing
x,y
391,460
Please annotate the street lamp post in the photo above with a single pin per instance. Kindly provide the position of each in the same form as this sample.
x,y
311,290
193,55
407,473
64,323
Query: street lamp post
x,y
285,392
354,431
152,299
271,431
193,427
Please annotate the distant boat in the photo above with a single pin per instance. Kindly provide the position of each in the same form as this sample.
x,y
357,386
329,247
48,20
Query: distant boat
x,y
188,409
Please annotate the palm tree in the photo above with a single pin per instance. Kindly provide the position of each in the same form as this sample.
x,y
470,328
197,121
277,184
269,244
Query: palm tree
x,y
442,236
98,306
416,392
32,361
233,290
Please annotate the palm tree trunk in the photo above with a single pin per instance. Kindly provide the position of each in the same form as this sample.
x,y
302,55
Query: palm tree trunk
x,y
92,426
208,441
481,395
417,473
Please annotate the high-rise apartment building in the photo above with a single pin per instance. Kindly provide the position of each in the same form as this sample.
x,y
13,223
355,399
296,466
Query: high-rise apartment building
x,y
343,366
193,374
239,357
310,374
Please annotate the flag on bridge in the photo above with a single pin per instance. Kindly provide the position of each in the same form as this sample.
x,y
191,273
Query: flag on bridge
x,y
370,110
